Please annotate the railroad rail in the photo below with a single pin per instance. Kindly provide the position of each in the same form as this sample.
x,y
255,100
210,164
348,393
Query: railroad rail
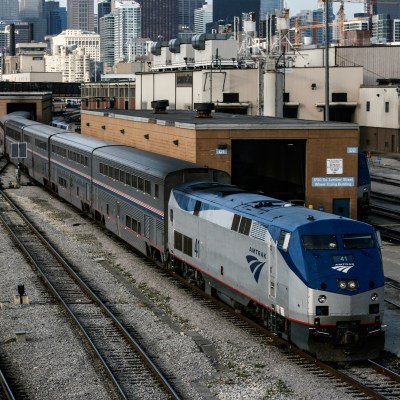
x,y
373,388
130,370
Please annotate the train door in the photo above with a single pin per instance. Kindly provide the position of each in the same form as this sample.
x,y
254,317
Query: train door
x,y
341,207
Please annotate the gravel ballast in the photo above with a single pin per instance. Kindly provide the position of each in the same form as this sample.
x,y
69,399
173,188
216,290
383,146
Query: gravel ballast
x,y
209,357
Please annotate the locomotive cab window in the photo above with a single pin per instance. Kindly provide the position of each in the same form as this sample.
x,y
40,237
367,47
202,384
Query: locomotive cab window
x,y
319,242
358,241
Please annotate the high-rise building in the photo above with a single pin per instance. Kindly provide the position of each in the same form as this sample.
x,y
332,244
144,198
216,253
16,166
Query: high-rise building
x,y
56,17
159,19
389,9
103,8
186,13
202,16
127,26
106,31
32,11
9,10
80,15
76,38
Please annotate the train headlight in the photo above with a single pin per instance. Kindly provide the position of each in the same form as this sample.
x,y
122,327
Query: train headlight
x,y
352,285
342,285
374,297
348,284
322,298
365,189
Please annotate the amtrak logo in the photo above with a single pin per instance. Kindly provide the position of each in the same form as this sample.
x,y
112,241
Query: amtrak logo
x,y
343,267
256,266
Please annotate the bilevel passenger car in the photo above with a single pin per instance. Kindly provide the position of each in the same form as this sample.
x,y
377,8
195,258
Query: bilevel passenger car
x,y
313,277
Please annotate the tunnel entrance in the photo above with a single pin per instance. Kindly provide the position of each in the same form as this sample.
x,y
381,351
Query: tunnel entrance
x,y
275,167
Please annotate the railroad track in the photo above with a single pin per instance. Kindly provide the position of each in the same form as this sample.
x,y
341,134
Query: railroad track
x,y
130,370
354,386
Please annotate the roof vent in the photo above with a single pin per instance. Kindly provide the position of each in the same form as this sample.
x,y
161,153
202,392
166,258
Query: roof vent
x,y
203,109
160,106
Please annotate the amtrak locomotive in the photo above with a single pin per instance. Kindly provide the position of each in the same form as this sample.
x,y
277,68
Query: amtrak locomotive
x,y
313,277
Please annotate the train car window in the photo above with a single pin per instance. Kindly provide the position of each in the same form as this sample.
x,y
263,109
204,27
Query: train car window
x,y
116,174
105,169
319,242
128,221
110,171
128,179
122,176
244,227
358,241
156,191
141,184
27,139
86,161
147,187
101,168
134,181
235,222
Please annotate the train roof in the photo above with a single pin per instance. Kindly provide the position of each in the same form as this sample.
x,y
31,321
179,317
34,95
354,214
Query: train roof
x,y
151,163
263,209
42,131
19,121
85,143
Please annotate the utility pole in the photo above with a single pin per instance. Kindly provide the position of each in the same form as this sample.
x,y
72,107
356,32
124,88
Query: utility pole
x,y
326,61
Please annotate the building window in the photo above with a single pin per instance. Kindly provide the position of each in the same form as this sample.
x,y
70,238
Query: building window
x,y
368,106
386,106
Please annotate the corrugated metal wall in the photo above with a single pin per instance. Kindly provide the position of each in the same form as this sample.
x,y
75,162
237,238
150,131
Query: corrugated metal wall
x,y
378,62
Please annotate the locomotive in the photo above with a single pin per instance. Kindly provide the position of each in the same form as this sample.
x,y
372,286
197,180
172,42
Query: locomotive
x,y
313,278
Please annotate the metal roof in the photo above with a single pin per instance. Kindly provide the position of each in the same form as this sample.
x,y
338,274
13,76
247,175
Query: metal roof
x,y
151,163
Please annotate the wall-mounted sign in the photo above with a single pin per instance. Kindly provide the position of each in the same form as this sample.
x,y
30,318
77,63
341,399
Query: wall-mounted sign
x,y
352,150
333,182
334,166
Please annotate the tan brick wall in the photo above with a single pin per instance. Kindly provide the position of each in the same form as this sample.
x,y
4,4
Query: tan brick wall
x,y
200,146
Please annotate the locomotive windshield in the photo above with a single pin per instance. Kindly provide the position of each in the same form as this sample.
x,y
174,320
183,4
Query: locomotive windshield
x,y
319,242
362,241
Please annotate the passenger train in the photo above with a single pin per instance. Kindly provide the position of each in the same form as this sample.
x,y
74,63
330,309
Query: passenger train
x,y
313,277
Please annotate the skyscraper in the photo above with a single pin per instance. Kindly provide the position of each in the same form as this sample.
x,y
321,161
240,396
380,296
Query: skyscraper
x,y
389,9
32,11
9,10
80,14
159,19
56,17
103,8
106,30
127,26
186,13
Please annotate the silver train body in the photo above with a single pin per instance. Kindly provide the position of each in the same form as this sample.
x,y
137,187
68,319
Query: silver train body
x,y
312,277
